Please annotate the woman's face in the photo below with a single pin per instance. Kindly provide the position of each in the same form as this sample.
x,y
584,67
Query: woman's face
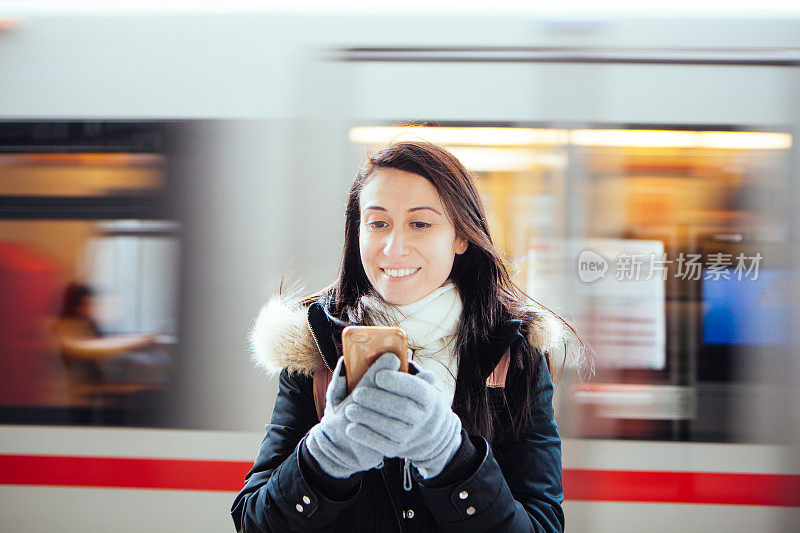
x,y
406,240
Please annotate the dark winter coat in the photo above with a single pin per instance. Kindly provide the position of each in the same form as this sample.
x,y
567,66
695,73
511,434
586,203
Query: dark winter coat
x,y
509,486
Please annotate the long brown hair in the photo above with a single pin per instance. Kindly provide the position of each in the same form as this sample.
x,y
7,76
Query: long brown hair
x,y
489,296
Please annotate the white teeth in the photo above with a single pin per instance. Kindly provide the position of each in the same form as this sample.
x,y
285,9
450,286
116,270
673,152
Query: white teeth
x,y
399,273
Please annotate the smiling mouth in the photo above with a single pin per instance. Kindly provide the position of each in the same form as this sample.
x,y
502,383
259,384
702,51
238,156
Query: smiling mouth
x,y
400,273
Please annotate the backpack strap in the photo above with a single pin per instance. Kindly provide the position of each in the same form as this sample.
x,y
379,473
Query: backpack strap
x,y
323,377
498,376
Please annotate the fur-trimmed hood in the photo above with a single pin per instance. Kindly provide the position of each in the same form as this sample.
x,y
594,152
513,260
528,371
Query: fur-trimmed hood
x,y
281,338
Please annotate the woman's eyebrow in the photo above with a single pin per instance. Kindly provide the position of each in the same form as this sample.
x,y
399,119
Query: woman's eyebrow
x,y
424,207
418,208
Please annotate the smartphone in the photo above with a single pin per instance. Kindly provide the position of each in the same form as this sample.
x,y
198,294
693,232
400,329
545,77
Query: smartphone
x,y
363,345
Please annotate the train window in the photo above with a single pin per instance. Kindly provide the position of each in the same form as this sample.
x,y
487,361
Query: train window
x,y
666,247
88,267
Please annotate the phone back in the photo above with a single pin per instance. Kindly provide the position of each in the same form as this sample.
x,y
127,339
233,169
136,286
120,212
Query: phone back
x,y
362,345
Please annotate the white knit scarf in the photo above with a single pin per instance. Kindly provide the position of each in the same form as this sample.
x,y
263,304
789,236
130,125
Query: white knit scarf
x,y
430,324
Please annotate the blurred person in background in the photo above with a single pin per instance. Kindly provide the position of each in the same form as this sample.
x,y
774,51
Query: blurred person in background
x,y
467,440
93,359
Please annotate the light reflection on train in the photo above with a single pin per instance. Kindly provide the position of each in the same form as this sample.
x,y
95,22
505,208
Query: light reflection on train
x,y
134,254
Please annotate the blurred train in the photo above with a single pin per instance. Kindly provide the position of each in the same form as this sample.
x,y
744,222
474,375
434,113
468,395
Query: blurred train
x,y
640,172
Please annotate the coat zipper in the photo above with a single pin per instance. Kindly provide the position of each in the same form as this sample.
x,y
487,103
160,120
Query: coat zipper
x,y
316,342
406,474
391,500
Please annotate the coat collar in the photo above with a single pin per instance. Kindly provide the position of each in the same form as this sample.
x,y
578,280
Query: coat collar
x,y
301,339
326,331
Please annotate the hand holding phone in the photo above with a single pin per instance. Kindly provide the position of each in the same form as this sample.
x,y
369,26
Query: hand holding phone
x,y
363,345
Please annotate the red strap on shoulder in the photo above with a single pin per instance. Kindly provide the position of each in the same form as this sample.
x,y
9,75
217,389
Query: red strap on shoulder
x,y
323,377
498,376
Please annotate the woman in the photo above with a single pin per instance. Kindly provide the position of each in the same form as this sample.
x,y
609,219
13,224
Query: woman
x,y
466,441
89,355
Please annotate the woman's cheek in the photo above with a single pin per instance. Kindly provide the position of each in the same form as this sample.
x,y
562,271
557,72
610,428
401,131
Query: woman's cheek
x,y
366,250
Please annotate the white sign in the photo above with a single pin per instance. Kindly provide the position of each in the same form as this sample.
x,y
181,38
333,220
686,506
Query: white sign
x,y
614,289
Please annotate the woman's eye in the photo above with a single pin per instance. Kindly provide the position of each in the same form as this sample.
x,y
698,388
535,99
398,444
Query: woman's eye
x,y
377,224
421,225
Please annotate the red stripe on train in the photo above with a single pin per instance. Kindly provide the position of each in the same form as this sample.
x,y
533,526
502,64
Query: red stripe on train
x,y
579,484
683,487
122,472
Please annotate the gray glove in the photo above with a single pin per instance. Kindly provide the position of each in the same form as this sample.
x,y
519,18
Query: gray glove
x,y
404,415
337,453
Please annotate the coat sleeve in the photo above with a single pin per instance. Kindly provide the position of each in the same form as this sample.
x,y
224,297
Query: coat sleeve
x,y
518,488
277,495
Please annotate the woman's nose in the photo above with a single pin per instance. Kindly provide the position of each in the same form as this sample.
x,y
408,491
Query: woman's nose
x,y
395,245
